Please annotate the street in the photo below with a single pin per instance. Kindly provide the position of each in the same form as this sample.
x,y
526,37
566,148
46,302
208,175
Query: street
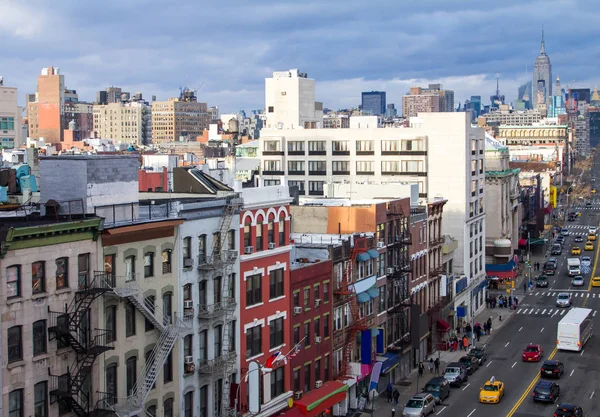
x,y
535,321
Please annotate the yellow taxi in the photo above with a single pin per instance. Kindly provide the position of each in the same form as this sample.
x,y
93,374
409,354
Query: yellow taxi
x,y
575,250
589,245
591,237
491,392
596,282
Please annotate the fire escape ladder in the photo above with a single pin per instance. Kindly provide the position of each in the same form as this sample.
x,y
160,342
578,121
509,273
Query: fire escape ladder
x,y
225,409
215,258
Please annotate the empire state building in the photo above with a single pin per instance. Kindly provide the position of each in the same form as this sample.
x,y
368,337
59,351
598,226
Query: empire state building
x,y
542,79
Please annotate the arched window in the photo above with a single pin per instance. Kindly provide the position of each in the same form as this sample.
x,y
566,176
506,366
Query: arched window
x,y
282,229
271,229
247,234
259,237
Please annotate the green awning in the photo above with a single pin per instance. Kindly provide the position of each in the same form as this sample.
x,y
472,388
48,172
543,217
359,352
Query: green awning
x,y
363,257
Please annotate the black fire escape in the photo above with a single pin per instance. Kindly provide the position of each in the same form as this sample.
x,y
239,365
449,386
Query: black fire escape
x,y
71,327
398,246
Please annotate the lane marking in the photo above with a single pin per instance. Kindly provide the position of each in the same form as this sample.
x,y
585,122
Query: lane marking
x,y
544,312
594,314
571,374
471,413
542,329
489,363
507,343
581,354
467,386
592,395
528,389
521,329
514,364
440,412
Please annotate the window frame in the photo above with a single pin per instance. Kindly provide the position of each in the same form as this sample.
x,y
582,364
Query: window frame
x,y
12,279
16,346
276,332
253,291
62,279
253,341
276,283
39,275
148,267
130,319
40,341
277,381
167,261
43,385
16,412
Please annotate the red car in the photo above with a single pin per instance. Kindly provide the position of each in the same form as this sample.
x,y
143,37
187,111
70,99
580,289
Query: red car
x,y
532,353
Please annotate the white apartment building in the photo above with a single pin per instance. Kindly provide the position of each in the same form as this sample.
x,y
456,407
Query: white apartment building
x,y
290,101
441,152
11,133
124,122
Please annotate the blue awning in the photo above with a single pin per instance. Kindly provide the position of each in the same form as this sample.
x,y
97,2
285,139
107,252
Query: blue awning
x,y
389,361
373,253
483,284
509,266
362,257
373,292
363,297
374,332
364,284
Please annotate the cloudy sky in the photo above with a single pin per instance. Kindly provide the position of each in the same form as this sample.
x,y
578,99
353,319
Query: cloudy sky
x,y
226,48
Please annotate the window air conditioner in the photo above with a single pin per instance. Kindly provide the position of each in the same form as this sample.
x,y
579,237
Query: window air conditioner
x,y
297,310
188,262
317,339
380,245
271,245
297,395
189,359
188,304
318,384
248,250
391,271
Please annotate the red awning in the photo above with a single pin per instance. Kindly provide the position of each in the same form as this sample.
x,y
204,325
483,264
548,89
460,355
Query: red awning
x,y
443,326
292,412
318,400
522,242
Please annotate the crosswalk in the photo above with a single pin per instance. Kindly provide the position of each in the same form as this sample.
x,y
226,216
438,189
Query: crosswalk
x,y
574,294
548,312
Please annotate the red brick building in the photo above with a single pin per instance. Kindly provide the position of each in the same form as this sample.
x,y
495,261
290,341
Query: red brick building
x,y
265,293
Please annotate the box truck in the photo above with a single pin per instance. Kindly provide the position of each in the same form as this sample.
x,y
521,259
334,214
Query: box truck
x,y
575,329
574,266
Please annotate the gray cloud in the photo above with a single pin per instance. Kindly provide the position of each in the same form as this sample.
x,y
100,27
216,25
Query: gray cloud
x,y
229,47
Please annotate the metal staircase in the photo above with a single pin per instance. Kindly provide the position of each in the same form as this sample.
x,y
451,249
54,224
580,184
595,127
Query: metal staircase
x,y
220,263
71,328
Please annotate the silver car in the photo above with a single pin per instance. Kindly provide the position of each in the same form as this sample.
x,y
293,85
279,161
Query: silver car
x,y
419,405
578,281
563,299
586,261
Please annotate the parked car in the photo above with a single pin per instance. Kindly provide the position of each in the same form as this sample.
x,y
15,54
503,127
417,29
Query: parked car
x,y
456,373
419,405
471,363
479,353
439,388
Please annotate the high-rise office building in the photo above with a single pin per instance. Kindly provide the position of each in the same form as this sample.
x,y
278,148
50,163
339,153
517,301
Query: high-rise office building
x,y
582,95
542,79
10,118
427,100
181,118
124,122
373,103
391,111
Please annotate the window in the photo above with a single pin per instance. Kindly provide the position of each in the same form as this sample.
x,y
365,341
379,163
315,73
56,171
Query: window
x,y
231,240
317,167
204,401
282,231
277,382
131,373
202,343
62,273
315,186
218,341
340,146
109,265
337,319
130,268
151,411
166,261
253,341
110,375
187,292
150,303
276,332
232,333
307,385
317,146
271,110
297,379
276,283
340,166
129,319
307,334
412,145
247,235
326,325
15,403
83,268
326,368
259,239
187,247
390,166
390,146
299,184
149,265
317,326
168,408
317,292
271,166
38,277
188,401
306,297
365,146
39,338
296,332
318,369
218,289
231,285
7,123
364,166
295,166
15,344
202,248
272,145
271,231
296,146
296,298
381,304
167,306
168,369
40,399
253,289
13,281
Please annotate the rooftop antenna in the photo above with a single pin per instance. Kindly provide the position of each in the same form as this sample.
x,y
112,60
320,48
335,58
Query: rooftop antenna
x,y
497,84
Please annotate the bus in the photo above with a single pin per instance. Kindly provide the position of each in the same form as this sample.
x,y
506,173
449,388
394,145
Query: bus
x,y
575,329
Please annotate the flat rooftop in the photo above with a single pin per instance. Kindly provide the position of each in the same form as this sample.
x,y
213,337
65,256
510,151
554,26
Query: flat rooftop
x,y
343,202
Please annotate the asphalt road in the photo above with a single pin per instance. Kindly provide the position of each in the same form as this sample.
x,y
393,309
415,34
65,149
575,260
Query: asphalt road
x,y
536,322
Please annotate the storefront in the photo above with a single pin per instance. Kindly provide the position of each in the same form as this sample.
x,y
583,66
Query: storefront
x,y
389,362
320,402
443,334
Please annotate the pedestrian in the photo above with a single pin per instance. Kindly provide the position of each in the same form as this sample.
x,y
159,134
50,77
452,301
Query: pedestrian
x,y
390,389
465,342
489,323
396,396
393,412
455,344
510,301
468,330
500,301
525,287
421,369
431,365
437,365
516,303
485,328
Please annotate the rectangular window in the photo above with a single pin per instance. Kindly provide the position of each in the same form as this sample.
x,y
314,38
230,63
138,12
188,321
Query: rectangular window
x,y
390,166
110,319
110,375
130,268
131,374
40,340
231,240
166,261
202,343
188,407
337,319
317,326
390,146
295,166
381,304
62,273
340,166
296,335
253,341
365,146
150,303
281,231
306,297
253,290
300,184
186,249
168,406
129,319
277,382
204,400
412,166
296,379
276,332
326,368
83,268
317,146
307,385
412,145
15,344
326,325
364,166
202,249
259,237
168,369
326,291
38,277
307,334
317,369
15,403
315,186
276,283
317,167
13,281
40,399
271,166
317,292
148,264
296,146
340,146
218,341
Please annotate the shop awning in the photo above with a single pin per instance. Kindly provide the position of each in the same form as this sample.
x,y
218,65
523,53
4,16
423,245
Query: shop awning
x,y
492,268
318,400
443,325
362,257
388,361
373,253
292,412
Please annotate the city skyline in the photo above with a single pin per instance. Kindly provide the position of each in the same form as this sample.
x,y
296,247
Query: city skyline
x,y
229,54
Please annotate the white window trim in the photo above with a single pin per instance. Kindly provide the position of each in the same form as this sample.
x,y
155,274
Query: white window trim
x,y
277,316
252,272
252,324
282,265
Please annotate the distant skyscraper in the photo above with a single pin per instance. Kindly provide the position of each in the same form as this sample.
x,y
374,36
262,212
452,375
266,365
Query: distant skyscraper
x,y
582,95
391,111
524,95
427,100
542,79
374,102
557,106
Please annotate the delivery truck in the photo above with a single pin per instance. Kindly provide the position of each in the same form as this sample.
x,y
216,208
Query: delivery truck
x,y
573,266
575,329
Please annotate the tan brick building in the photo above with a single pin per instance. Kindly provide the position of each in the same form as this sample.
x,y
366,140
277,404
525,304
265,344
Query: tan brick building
x,y
178,118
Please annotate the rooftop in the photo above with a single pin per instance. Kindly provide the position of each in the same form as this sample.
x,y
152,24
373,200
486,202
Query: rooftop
x,y
342,202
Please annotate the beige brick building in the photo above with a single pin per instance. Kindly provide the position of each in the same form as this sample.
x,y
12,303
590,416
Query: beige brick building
x,y
124,122
178,118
